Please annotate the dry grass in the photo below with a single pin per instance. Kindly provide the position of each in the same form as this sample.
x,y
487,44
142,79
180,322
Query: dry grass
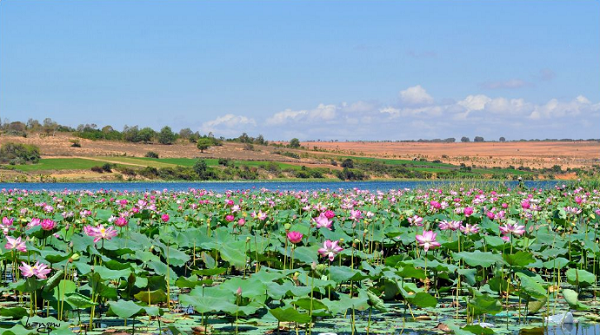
x,y
489,154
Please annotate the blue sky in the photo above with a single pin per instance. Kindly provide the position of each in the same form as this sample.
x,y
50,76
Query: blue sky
x,y
362,70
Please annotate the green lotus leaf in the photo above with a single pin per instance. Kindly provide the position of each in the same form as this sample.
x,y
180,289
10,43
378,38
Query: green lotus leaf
x,y
290,315
478,258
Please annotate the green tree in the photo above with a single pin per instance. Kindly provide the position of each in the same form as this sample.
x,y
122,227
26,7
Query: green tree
x,y
201,168
147,134
131,134
294,143
166,136
204,143
186,133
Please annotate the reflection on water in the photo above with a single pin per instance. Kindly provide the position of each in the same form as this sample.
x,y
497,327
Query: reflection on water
x,y
283,186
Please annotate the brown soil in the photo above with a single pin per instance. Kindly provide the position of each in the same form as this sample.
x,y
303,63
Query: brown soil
x,y
60,146
489,154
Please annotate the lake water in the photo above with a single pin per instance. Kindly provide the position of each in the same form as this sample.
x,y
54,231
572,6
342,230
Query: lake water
x,y
276,185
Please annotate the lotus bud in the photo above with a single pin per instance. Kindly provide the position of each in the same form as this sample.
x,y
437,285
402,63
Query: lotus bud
x,y
75,256
239,291
248,239
313,266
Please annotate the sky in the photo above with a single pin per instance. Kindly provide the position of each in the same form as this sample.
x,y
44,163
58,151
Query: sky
x,y
315,70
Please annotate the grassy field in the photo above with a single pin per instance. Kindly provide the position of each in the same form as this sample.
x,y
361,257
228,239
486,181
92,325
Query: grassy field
x,y
59,164
399,162
210,162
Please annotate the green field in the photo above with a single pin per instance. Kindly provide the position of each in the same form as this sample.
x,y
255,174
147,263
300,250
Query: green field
x,y
399,162
49,164
211,162
59,164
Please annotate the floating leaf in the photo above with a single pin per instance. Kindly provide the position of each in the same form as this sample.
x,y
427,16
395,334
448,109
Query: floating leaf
x,y
290,315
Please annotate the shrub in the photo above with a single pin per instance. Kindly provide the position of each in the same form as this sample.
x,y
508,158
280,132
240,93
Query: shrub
x,y
98,169
149,172
75,144
314,173
225,162
348,163
302,174
127,171
151,154
19,153
107,167
287,154
272,167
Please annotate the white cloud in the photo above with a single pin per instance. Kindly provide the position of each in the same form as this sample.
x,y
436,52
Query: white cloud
x,y
415,95
557,109
419,115
321,113
228,125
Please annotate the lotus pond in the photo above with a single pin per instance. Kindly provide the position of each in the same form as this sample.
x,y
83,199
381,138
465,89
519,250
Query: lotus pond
x,y
438,260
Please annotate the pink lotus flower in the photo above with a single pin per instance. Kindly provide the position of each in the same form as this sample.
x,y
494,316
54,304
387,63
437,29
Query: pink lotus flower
x,y
322,221
229,218
99,233
525,204
241,222
450,225
416,220
15,243
39,270
427,240
512,228
48,224
261,215
295,237
6,225
329,214
435,205
120,221
355,215
34,222
165,218
330,249
468,211
470,229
